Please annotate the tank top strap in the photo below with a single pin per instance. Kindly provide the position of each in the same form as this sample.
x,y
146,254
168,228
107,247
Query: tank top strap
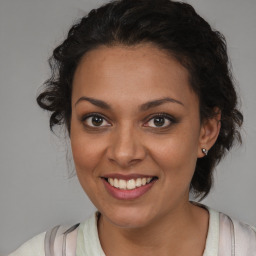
x,y
236,238
61,241
49,241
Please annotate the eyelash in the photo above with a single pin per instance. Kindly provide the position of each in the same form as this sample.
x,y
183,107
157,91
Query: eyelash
x,y
170,118
86,117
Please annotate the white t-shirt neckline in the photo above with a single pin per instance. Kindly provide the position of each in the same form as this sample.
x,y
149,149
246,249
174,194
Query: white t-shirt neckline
x,y
88,243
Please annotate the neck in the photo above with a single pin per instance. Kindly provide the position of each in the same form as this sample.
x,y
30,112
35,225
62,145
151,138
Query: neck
x,y
188,223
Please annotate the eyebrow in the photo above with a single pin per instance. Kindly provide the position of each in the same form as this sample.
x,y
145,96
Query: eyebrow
x,y
158,102
98,103
143,107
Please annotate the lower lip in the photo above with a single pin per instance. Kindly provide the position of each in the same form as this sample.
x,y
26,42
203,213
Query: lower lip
x,y
125,194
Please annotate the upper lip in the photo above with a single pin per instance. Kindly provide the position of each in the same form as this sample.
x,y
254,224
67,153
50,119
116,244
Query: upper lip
x,y
126,176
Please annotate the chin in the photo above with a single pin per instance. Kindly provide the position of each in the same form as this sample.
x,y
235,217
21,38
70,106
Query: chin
x,y
129,217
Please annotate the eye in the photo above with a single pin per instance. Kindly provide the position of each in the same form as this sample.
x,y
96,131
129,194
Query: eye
x,y
95,120
159,121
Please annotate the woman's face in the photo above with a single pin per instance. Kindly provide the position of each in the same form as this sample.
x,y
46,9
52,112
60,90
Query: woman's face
x,y
135,120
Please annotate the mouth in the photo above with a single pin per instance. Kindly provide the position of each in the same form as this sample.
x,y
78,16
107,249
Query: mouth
x,y
130,183
127,187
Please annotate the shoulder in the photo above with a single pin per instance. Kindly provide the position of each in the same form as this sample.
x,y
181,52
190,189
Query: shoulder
x,y
50,243
236,227
33,247
227,236
237,235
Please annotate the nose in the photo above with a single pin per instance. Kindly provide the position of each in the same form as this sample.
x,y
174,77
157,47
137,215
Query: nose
x,y
126,148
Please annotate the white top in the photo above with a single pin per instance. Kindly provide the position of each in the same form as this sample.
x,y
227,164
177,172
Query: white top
x,y
90,244
225,237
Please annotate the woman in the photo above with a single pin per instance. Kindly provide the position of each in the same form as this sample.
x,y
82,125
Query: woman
x,y
144,90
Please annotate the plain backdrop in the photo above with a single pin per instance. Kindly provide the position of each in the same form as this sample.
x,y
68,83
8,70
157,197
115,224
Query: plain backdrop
x,y
35,191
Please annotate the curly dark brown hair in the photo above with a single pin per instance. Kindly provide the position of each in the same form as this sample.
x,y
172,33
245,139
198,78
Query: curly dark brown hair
x,y
174,27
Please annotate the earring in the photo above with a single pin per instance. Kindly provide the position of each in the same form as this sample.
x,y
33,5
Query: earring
x,y
205,151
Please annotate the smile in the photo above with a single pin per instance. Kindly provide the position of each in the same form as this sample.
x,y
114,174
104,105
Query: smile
x,y
129,184
128,188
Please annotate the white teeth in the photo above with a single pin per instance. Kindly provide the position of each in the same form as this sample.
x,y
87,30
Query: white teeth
x,y
122,184
116,183
129,184
111,181
138,182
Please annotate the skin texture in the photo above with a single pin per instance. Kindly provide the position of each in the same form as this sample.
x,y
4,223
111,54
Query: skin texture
x,y
128,142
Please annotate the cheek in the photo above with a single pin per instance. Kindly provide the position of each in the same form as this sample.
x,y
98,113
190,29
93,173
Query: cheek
x,y
86,153
87,149
177,155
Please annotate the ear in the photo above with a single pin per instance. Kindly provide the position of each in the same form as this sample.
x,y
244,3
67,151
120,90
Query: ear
x,y
209,132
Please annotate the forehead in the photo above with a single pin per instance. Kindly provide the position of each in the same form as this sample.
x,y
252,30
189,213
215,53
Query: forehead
x,y
141,72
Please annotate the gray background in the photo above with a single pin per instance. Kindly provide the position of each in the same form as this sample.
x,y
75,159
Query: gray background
x,y
35,192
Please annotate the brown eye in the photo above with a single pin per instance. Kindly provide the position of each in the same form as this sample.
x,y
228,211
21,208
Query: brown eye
x,y
159,121
95,121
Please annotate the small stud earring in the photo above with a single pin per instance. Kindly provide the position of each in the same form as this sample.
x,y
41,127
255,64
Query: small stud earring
x,y
205,151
